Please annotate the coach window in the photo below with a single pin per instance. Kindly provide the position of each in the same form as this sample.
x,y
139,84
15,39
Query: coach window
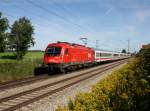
x,y
97,54
116,54
66,51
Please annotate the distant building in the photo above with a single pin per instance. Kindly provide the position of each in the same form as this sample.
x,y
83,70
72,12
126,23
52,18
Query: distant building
x,y
146,46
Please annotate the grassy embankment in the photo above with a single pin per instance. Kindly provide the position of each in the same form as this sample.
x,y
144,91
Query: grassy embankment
x,y
127,89
11,69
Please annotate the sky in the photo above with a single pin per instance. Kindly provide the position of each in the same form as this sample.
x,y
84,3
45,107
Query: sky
x,y
111,22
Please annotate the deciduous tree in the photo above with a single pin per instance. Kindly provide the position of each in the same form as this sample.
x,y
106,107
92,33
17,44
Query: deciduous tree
x,y
3,27
22,36
123,51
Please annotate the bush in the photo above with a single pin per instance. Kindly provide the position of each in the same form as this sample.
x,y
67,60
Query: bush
x,y
126,89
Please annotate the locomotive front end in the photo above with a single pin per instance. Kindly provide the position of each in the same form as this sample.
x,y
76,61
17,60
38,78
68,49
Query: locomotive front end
x,y
53,55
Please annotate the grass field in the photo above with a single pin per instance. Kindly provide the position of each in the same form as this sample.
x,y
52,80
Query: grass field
x,y
12,69
9,56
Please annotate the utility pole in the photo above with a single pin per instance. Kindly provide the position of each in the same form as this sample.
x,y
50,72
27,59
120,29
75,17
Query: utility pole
x,y
128,46
84,40
97,42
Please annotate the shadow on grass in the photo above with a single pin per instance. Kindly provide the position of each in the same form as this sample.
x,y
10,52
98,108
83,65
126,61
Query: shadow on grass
x,y
9,57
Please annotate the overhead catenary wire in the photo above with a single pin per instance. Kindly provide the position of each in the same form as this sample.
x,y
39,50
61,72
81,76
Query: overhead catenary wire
x,y
38,5
38,17
55,14
16,16
65,9
83,30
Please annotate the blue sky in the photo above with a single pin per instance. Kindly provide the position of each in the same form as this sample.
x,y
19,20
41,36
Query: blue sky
x,y
112,22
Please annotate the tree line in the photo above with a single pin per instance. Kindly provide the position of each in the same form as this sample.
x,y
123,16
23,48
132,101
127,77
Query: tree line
x,y
18,37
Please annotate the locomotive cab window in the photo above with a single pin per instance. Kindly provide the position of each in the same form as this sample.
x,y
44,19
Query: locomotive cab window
x,y
53,51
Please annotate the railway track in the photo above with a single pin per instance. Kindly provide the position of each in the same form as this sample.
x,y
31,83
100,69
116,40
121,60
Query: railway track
x,y
21,82
19,100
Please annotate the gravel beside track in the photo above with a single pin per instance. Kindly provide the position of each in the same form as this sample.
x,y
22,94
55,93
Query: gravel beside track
x,y
20,82
34,93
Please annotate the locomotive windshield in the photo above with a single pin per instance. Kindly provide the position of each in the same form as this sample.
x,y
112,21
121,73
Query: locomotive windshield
x,y
53,51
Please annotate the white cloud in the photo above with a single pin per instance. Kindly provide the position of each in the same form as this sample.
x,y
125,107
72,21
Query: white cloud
x,y
108,11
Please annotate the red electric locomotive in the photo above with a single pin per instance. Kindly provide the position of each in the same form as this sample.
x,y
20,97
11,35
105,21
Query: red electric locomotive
x,y
63,55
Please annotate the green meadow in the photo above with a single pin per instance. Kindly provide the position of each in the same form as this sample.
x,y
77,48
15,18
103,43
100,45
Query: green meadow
x,y
12,69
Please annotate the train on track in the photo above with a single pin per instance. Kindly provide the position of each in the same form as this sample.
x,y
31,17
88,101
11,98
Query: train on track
x,y
69,56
